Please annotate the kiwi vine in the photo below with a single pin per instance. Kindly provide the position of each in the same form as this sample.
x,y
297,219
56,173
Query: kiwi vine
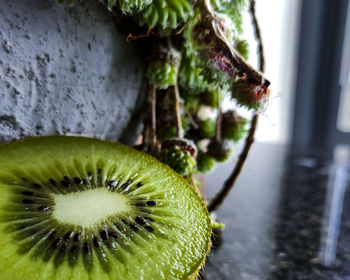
x,y
196,60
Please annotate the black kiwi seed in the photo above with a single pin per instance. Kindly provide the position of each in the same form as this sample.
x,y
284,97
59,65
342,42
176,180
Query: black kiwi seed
x,y
76,237
86,248
140,204
139,185
113,234
68,235
43,208
141,221
56,243
35,185
53,182
134,228
77,180
112,183
28,201
90,175
27,193
65,184
151,203
125,185
52,235
149,219
103,235
149,228
96,242
66,179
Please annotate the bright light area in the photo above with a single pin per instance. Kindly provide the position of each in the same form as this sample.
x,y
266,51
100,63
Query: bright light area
x,y
278,20
344,111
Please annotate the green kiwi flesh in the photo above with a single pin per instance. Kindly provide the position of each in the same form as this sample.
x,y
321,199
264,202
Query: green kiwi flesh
x,y
82,208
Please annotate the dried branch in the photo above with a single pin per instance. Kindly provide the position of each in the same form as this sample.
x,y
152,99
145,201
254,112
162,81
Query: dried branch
x,y
214,32
152,103
230,182
150,129
179,129
132,37
257,36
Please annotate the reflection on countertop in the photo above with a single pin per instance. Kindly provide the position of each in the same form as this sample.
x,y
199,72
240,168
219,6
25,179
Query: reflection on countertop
x,y
288,209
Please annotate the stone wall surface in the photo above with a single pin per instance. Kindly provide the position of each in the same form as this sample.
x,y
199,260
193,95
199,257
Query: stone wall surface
x,y
65,70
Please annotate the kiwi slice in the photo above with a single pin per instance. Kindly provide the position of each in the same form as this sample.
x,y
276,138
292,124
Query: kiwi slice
x,y
82,208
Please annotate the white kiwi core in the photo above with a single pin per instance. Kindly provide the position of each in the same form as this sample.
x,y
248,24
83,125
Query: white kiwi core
x,y
89,207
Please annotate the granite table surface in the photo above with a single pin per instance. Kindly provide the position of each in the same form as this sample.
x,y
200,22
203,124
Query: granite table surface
x,y
288,217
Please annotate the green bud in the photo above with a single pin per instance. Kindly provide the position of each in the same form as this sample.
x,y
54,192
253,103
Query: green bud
x,y
165,14
179,154
180,161
205,163
163,67
249,94
221,151
207,128
129,6
233,126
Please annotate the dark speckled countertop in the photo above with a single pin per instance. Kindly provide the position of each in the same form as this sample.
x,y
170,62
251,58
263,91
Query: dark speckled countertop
x,y
287,218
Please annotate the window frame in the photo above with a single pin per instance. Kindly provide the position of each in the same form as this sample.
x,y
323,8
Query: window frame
x,y
318,89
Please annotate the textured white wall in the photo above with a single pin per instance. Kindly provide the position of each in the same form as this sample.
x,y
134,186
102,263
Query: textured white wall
x,y
64,70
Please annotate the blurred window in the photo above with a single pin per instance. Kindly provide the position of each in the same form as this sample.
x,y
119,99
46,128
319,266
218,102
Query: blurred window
x,y
344,106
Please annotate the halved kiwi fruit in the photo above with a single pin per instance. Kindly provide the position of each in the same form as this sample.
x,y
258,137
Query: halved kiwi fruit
x,y
81,208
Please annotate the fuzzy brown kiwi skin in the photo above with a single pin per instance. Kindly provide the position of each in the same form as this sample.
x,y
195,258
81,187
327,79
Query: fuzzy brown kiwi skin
x,y
193,275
